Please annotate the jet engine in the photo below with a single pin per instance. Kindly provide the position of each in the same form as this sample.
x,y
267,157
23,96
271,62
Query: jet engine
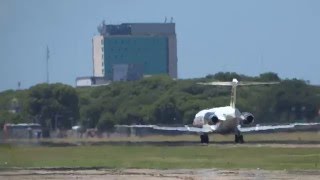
x,y
247,118
211,118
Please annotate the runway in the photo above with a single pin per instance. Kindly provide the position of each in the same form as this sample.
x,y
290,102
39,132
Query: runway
x,y
154,174
265,143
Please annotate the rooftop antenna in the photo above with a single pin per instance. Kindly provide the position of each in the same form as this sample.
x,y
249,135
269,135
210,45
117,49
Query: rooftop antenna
x,y
171,20
47,63
165,19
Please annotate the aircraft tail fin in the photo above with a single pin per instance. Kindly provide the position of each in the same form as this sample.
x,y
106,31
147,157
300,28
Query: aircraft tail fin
x,y
234,83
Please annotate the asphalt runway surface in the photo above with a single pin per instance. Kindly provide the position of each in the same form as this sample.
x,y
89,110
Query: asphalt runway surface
x,y
137,174
266,143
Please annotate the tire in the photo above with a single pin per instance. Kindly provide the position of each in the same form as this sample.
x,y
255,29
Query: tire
x,y
241,139
204,138
236,138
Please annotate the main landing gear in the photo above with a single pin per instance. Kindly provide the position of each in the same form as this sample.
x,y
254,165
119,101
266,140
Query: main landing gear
x,y
238,138
204,138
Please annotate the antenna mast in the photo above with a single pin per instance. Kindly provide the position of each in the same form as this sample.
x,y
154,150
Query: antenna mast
x,y
47,63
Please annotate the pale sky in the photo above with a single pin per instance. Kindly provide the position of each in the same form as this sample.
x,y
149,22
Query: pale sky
x,y
248,36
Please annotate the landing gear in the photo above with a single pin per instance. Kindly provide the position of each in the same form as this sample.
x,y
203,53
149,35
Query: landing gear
x,y
238,138
204,138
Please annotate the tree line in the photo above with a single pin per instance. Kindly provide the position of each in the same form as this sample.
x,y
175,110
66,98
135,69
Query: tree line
x,y
157,100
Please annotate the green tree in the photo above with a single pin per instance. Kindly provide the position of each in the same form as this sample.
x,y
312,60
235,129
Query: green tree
x,y
106,123
269,76
159,100
54,105
8,117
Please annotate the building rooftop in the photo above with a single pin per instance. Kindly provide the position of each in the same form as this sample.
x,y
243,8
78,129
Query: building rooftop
x,y
137,29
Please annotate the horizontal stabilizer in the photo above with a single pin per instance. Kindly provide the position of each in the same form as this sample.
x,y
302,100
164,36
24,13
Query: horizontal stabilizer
x,y
217,83
255,83
236,83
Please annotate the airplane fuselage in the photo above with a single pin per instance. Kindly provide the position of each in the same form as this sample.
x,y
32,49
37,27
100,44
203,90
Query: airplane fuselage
x,y
228,119
227,126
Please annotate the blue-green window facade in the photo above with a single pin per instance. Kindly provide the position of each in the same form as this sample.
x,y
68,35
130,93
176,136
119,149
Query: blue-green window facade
x,y
149,52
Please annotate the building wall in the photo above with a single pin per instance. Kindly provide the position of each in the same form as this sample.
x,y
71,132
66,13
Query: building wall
x,y
150,46
173,59
120,72
127,72
150,52
84,82
98,56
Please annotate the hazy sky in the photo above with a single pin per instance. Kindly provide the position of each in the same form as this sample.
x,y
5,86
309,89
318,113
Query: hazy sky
x,y
247,36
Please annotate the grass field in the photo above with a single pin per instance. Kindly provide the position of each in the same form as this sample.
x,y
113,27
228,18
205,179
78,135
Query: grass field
x,y
160,157
143,155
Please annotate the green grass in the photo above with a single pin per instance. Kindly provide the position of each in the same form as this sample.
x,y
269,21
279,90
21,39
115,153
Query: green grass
x,y
161,157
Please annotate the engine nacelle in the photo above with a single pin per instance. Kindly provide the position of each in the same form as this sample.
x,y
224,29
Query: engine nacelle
x,y
211,118
247,118
208,118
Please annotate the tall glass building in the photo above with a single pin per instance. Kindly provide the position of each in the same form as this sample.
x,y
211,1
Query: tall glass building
x,y
143,48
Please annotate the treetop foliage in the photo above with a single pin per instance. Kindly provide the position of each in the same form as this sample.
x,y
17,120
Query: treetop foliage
x,y
159,100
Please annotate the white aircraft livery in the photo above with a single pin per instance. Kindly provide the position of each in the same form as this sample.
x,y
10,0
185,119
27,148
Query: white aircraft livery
x,y
223,120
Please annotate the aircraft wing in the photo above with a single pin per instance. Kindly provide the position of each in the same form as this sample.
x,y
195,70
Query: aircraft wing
x,y
206,129
273,127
